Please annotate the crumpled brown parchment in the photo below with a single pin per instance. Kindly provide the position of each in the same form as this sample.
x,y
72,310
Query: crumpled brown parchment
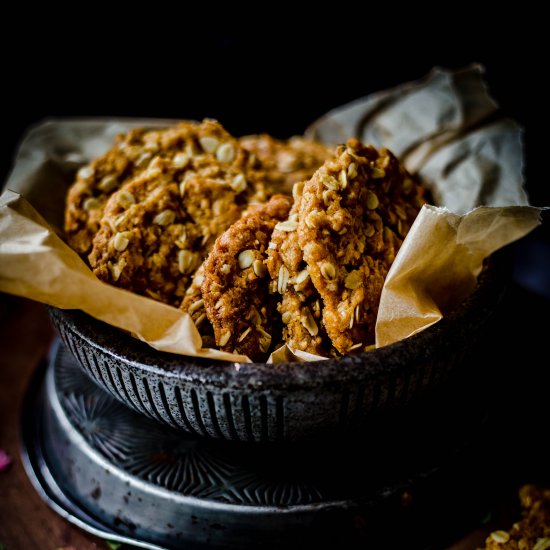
x,y
436,126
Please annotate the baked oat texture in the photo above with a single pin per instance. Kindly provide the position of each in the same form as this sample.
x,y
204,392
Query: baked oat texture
x,y
193,304
235,290
300,304
152,207
205,149
532,531
354,214
286,162
147,243
158,227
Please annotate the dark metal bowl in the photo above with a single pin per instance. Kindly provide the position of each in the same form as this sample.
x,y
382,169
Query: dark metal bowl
x,y
287,401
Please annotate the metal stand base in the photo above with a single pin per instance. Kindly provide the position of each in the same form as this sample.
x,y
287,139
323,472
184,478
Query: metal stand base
x,y
406,479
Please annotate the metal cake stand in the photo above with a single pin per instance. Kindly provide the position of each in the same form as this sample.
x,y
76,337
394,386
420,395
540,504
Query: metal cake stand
x,y
406,478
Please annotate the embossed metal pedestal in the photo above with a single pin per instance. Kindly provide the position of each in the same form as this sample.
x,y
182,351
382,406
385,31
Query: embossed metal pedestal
x,y
127,478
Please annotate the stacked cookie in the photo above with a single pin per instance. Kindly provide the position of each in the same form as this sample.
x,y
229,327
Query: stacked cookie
x,y
195,218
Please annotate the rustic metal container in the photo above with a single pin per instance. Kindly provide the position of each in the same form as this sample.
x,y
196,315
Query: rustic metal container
x,y
276,402
399,482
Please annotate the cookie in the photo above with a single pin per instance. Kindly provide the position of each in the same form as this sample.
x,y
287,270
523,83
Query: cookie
x,y
205,148
193,304
532,531
285,162
147,243
300,305
236,282
159,226
354,214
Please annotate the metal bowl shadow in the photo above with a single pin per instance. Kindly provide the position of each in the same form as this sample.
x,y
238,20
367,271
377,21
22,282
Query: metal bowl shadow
x,y
277,402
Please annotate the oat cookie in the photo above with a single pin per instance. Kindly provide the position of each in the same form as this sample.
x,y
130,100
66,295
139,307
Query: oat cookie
x,y
205,149
354,213
193,304
149,242
236,282
300,305
532,531
286,162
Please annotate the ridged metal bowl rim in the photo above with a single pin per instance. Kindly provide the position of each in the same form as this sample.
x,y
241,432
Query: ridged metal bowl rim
x,y
260,402
358,368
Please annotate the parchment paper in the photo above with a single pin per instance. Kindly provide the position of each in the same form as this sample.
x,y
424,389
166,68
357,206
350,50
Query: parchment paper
x,y
436,126
451,248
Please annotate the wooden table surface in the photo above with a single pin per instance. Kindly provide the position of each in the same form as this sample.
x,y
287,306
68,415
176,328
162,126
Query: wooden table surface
x,y
26,522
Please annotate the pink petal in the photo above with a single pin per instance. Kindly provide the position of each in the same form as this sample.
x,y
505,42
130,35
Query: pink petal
x,y
5,460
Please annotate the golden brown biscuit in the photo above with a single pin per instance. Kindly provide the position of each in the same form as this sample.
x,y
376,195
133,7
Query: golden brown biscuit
x,y
147,242
532,532
286,162
300,306
354,213
156,230
205,149
236,282
160,200
193,304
